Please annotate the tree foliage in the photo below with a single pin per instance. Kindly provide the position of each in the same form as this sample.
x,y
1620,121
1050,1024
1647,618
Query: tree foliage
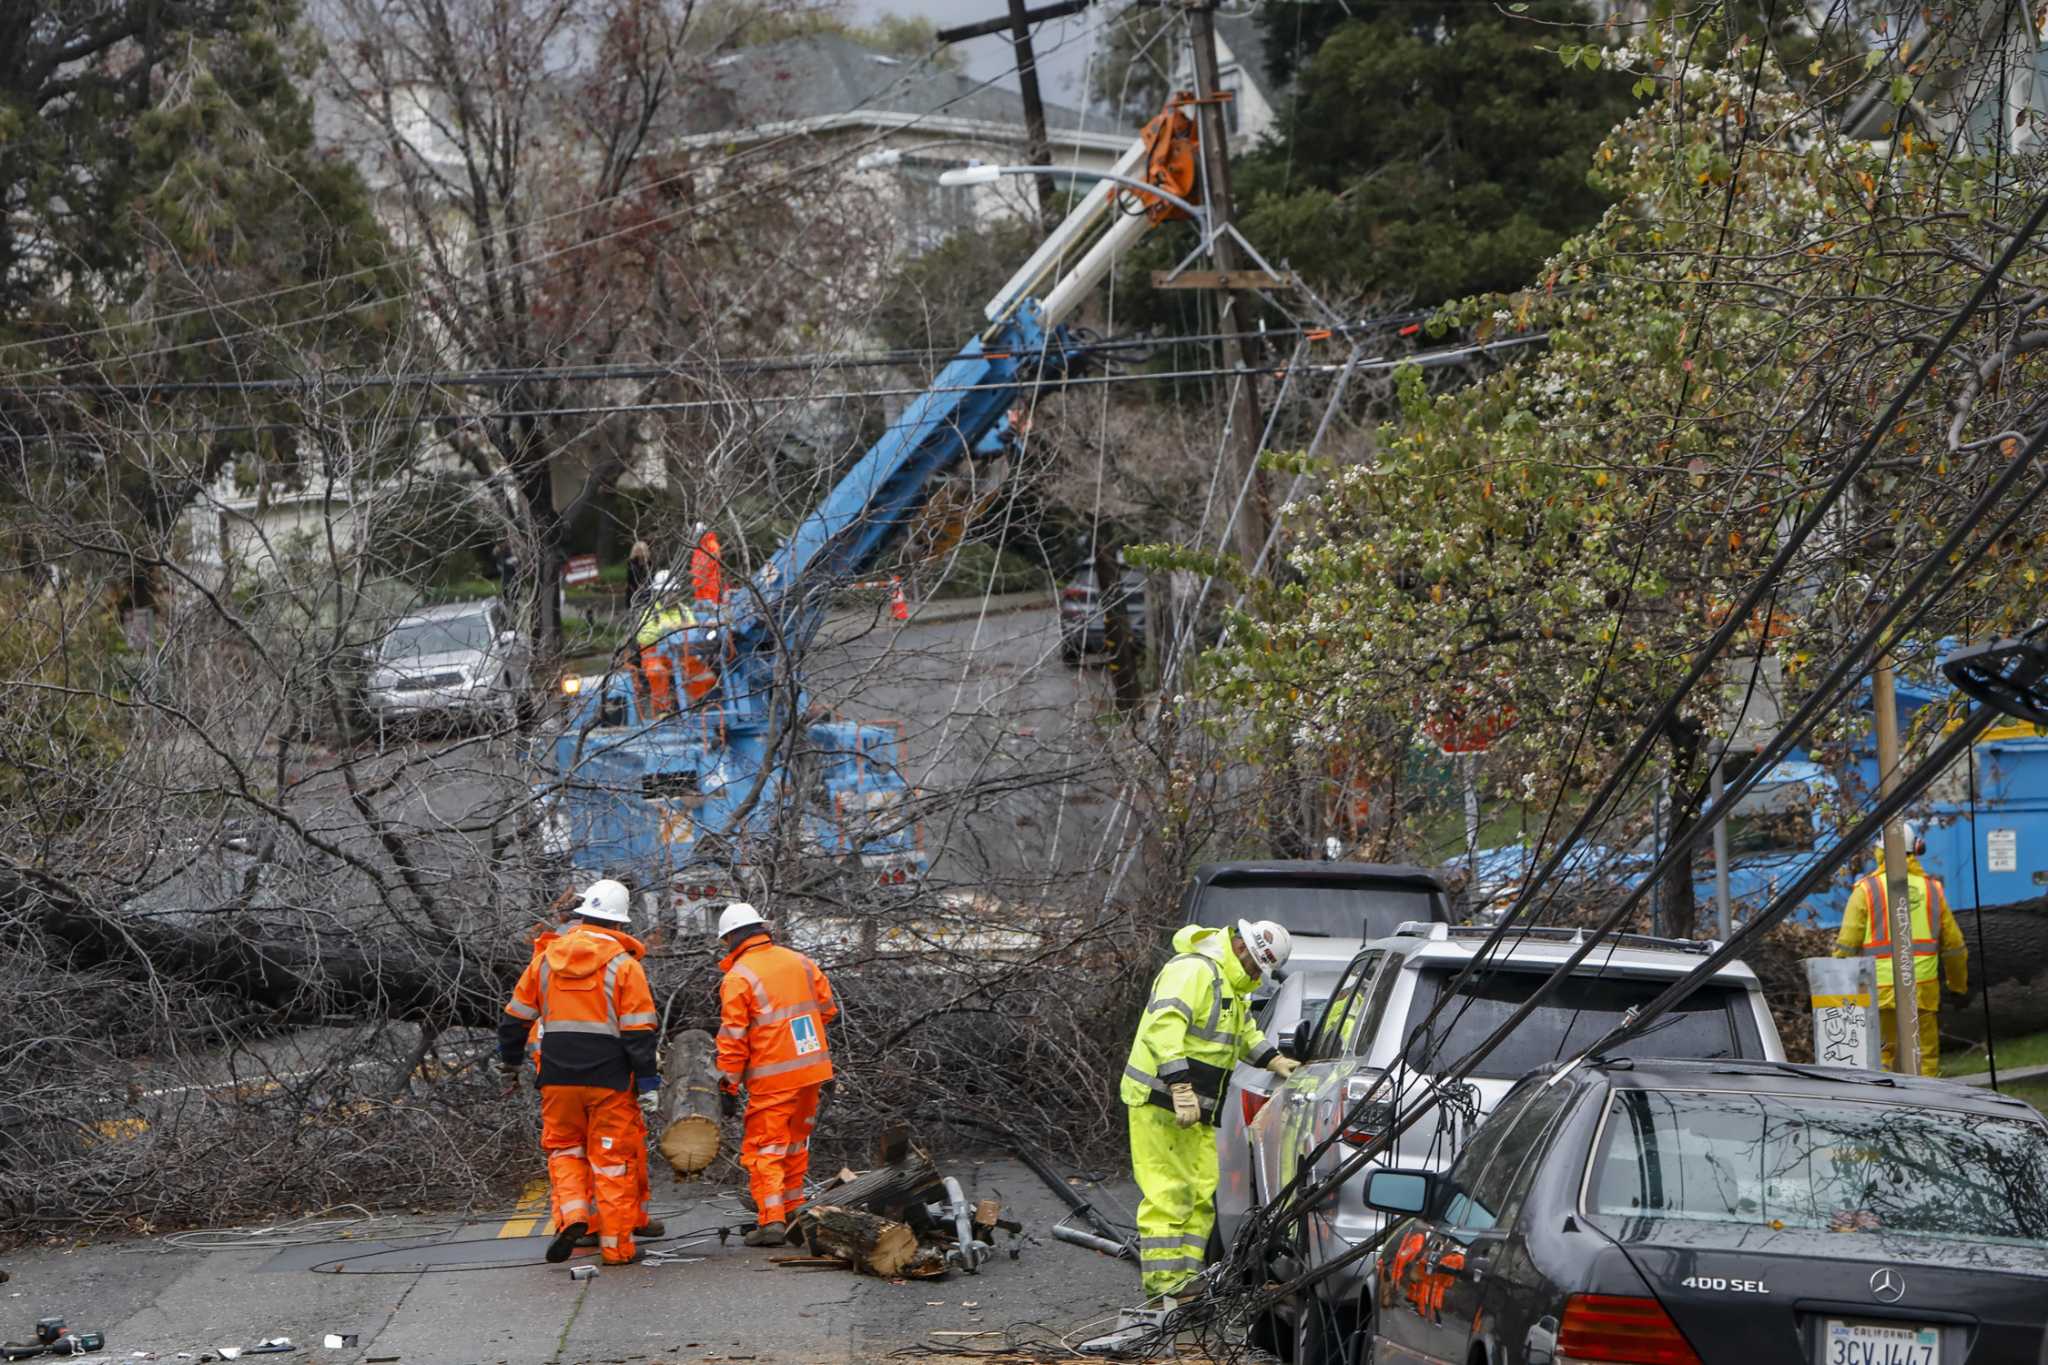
x,y
1556,541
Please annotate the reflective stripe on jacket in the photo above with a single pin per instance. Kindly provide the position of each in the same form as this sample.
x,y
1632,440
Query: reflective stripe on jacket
x,y
588,992
773,1006
1197,1025
1938,946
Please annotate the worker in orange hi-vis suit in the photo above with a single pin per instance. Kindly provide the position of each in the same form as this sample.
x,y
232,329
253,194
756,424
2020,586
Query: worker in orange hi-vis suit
x,y
563,910
707,570
773,1006
597,1020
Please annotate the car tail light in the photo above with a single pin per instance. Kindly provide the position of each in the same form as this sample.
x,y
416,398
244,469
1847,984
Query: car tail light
x,y
1074,595
1612,1328
1370,1121
1253,1102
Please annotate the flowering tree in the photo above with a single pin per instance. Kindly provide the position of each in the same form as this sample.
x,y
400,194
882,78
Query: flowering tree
x,y
1559,539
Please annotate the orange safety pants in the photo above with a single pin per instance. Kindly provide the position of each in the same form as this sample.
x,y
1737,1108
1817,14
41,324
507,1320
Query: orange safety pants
x,y
643,1191
660,680
776,1150
596,1144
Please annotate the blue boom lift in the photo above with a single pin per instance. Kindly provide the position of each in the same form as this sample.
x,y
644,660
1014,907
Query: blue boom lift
x,y
685,801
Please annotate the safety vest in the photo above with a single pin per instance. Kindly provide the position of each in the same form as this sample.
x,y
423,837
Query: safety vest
x,y
656,626
1927,903
773,1006
596,1016
1196,1027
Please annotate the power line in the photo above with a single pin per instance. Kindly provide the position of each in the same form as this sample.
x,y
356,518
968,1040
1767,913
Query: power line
x,y
800,362
1422,359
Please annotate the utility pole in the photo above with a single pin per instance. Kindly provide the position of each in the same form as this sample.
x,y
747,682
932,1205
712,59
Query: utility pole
x,y
1018,25
1034,111
1722,919
1246,425
1906,1003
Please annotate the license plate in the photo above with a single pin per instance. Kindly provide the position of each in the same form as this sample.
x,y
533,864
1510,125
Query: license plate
x,y
1878,1343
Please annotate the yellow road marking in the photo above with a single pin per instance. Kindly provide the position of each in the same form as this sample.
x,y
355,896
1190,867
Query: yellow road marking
x,y
534,1199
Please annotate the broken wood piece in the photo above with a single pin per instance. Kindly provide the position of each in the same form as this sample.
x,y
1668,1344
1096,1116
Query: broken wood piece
x,y
870,1243
892,1190
1216,279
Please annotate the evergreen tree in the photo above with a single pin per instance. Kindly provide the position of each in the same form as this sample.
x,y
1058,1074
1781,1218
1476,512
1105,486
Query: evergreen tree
x,y
1432,151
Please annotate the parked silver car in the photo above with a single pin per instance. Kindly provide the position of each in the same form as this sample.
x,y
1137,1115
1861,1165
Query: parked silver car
x,y
1287,1014
1369,1028
462,660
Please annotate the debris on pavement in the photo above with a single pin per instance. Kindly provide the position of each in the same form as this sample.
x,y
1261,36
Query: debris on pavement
x,y
901,1219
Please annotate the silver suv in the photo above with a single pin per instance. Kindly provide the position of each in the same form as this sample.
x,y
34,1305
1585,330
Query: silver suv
x,y
466,659
1368,1029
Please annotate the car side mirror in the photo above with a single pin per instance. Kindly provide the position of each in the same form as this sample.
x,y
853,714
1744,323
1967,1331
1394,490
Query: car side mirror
x,y
1400,1192
1290,1041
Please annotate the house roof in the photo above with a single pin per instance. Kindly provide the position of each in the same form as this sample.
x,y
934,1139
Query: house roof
x,y
1247,43
828,76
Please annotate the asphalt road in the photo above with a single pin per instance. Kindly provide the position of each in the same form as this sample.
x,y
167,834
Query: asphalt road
x,y
998,730
478,1291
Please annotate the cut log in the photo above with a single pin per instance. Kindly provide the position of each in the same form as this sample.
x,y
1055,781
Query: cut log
x,y
690,1137
870,1243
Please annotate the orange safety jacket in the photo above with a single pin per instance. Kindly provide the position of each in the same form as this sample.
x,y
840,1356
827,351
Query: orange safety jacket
x,y
589,994
773,1006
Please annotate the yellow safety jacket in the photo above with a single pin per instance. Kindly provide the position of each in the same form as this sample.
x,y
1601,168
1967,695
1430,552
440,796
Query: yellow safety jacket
x,y
660,623
1197,1026
1867,930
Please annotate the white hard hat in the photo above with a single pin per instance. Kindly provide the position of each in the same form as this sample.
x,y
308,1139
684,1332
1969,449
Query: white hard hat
x,y
1271,945
606,900
1909,836
738,915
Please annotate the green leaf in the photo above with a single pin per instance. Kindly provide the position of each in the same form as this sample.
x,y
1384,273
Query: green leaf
x,y
1644,87
1569,54
1589,57
1902,90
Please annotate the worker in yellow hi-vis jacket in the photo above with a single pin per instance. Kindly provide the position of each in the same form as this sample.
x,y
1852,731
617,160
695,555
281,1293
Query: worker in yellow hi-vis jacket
x,y
1939,953
1197,1026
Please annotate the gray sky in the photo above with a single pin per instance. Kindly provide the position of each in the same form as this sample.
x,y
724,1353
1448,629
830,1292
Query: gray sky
x,y
1062,45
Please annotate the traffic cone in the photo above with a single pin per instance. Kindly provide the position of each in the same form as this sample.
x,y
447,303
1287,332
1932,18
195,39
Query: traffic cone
x,y
898,608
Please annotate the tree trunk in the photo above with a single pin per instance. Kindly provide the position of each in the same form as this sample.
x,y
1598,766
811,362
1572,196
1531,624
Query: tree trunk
x,y
2016,944
874,1244
1117,640
302,977
1680,910
689,1091
543,562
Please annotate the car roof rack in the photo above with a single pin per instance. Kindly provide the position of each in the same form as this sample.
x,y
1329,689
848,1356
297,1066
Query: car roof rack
x,y
1559,934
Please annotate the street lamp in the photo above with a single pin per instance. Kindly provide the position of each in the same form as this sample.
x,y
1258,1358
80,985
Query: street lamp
x,y
987,175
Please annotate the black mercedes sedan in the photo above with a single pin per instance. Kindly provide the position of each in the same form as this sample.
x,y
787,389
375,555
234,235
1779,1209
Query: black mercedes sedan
x,y
1731,1213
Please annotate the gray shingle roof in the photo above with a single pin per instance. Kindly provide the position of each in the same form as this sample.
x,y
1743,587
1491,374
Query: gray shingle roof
x,y
802,78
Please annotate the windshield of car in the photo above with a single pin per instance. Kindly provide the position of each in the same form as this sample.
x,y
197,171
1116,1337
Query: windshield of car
x,y
1320,909
1805,1161
447,635
1577,1014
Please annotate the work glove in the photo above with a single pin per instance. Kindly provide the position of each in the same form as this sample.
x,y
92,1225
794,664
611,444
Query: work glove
x,y
728,1104
1282,1065
1187,1110
650,1101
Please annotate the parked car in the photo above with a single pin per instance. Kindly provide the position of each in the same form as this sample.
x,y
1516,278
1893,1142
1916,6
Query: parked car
x,y
460,661
1330,908
1290,1009
1371,1027
1084,627
1684,1211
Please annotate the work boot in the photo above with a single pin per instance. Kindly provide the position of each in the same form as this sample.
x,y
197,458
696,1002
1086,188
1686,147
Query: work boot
x,y
566,1241
767,1235
652,1228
